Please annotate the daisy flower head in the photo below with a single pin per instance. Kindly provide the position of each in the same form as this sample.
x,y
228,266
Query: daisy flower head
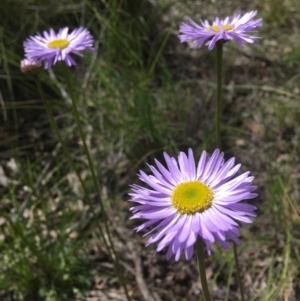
x,y
30,67
239,27
52,47
186,201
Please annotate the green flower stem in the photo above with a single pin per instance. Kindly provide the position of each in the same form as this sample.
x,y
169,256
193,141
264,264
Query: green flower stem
x,y
68,156
201,265
238,276
219,48
96,184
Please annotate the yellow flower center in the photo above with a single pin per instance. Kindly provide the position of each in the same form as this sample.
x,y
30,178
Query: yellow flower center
x,y
191,197
59,43
216,28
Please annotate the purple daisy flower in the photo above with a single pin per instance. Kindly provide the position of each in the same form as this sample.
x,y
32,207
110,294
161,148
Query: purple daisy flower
x,y
237,27
186,201
53,47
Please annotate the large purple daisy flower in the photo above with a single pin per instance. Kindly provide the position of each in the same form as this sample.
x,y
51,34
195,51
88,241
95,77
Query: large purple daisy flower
x,y
186,202
237,27
53,47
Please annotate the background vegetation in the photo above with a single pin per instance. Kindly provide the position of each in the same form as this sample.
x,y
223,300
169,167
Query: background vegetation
x,y
140,93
